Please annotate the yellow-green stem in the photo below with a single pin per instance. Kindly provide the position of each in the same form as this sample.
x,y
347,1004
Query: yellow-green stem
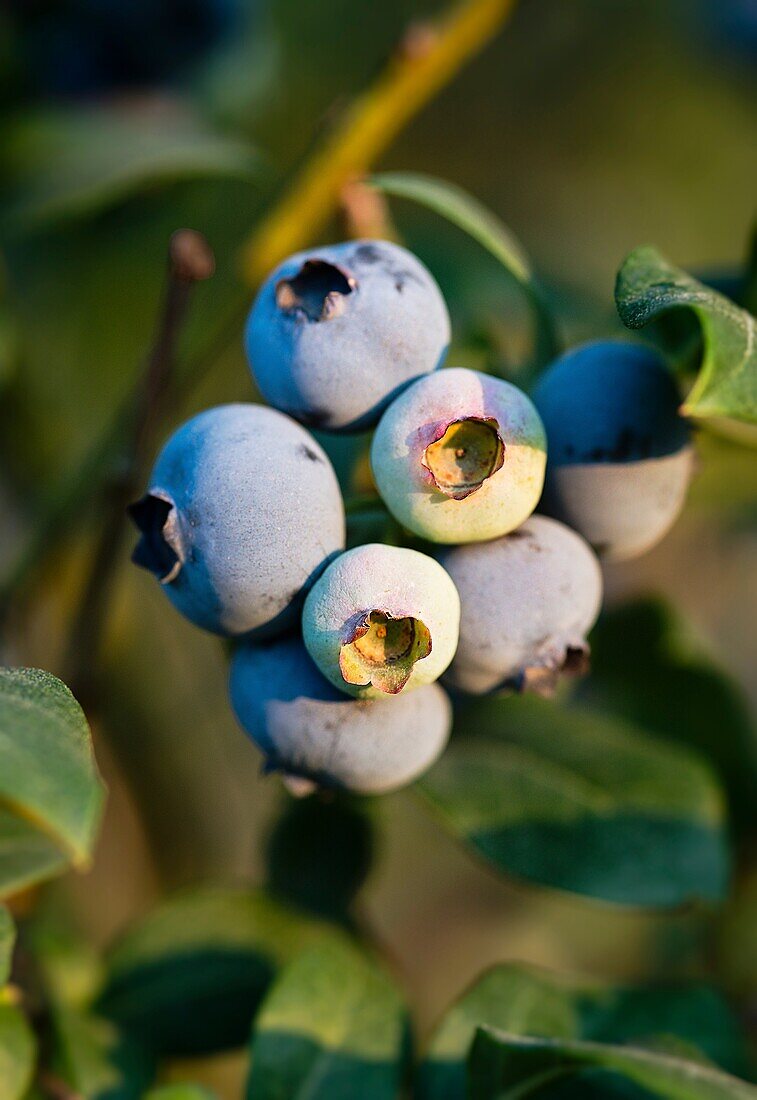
x,y
426,63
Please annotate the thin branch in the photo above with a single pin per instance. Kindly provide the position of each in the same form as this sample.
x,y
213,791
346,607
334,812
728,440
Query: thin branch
x,y
430,55
190,260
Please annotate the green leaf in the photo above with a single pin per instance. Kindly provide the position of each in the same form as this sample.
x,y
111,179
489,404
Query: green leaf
x,y
644,669
332,1026
76,162
647,287
7,939
26,856
686,1016
17,1053
51,795
522,1000
580,801
517,999
462,210
96,1060
189,978
506,1067
319,854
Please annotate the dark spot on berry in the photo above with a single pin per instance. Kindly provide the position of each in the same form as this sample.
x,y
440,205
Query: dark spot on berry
x,y
368,253
402,277
309,453
628,446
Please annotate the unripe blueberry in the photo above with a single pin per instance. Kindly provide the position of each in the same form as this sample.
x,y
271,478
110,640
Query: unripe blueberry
x,y
460,456
308,729
381,619
242,512
335,333
528,601
620,459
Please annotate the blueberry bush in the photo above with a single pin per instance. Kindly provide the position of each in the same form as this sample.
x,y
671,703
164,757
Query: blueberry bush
x,y
394,489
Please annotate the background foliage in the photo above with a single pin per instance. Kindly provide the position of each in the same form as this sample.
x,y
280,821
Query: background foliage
x,y
588,131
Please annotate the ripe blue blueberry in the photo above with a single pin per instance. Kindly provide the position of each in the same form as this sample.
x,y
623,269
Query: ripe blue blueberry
x,y
460,456
527,602
317,736
381,619
335,333
242,513
620,458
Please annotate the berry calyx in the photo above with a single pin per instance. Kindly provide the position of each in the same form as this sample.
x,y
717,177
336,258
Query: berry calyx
x,y
317,290
382,649
463,454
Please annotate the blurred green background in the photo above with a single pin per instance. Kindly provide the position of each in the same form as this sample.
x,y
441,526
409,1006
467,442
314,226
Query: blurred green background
x,y
590,127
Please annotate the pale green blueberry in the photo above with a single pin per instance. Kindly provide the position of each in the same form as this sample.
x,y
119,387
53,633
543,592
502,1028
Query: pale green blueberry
x,y
381,620
460,457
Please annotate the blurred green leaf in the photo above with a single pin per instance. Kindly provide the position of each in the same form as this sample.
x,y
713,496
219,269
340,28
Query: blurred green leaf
x,y
524,1001
736,941
469,215
189,978
75,162
584,802
48,778
68,968
17,1053
26,855
517,999
509,1066
332,1026
180,1092
7,939
319,854
644,671
9,344
647,287
96,1060
686,1015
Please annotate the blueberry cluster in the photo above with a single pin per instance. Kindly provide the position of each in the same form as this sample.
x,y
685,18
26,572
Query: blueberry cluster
x,y
339,652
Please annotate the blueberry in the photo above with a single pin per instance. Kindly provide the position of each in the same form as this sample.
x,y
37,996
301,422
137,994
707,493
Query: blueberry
x,y
527,601
620,459
311,731
334,334
381,619
242,512
460,457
